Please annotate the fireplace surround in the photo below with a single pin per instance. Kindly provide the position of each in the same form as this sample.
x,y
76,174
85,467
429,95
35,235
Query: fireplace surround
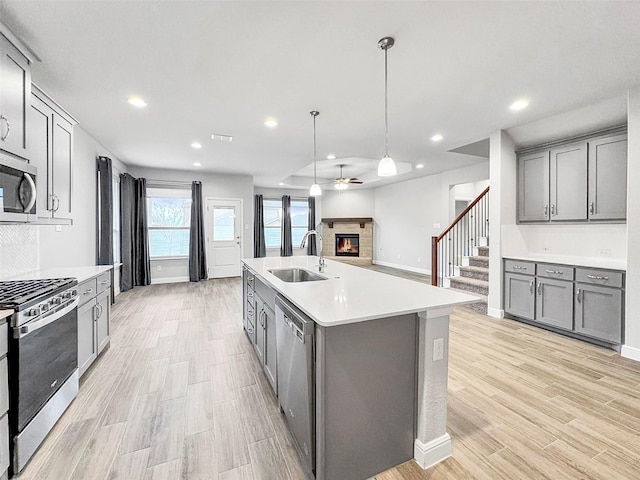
x,y
351,228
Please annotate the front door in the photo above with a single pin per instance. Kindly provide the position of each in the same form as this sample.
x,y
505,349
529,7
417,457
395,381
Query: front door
x,y
224,237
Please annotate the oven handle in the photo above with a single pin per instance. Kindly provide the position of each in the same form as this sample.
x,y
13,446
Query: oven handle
x,y
24,330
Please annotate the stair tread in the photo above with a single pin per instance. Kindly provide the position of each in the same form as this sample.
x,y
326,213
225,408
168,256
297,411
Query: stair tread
x,y
474,268
471,281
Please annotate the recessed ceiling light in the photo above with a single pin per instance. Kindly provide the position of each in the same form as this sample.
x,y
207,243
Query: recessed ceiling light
x,y
197,164
331,156
281,184
196,144
137,102
271,122
420,165
519,104
437,137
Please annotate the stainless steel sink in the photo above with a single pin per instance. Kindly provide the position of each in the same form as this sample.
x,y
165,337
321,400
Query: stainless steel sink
x,y
295,275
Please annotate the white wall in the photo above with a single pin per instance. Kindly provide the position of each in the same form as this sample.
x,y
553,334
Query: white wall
x,y
213,186
631,347
352,202
75,245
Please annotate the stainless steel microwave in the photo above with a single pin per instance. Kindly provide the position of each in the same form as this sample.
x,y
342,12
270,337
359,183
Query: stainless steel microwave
x,y
17,191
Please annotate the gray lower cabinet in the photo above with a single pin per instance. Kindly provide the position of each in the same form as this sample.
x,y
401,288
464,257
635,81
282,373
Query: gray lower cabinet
x,y
598,312
93,319
259,322
519,298
554,304
589,304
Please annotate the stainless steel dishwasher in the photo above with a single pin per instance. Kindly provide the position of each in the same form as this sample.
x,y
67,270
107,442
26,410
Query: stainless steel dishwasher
x,y
296,383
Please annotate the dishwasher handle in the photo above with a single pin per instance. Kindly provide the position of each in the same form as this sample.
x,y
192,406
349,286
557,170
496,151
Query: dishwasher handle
x,y
299,324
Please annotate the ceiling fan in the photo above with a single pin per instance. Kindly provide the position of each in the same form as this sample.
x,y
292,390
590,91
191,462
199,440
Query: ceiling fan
x,y
342,183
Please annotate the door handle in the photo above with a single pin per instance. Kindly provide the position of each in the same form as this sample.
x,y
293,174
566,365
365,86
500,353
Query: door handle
x,y
6,120
546,210
531,286
553,210
578,298
539,288
591,208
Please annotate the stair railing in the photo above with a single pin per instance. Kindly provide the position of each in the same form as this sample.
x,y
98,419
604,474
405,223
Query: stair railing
x,y
459,238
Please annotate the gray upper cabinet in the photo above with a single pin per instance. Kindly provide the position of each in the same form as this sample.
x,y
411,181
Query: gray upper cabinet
x,y
15,95
580,181
568,183
533,187
51,150
608,178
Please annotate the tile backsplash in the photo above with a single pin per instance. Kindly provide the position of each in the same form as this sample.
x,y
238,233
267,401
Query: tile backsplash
x,y
19,249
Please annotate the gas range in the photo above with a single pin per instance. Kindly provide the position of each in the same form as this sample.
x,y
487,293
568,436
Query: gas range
x,y
32,298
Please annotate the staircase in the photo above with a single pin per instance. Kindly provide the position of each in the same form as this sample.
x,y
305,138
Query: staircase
x,y
460,254
474,277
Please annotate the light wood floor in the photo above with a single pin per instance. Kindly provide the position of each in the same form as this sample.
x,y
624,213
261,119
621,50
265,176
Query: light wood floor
x,y
179,395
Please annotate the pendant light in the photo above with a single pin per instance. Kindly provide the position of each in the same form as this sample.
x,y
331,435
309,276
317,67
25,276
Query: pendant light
x,y
386,167
315,189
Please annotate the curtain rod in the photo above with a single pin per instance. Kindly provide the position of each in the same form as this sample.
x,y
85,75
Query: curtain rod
x,y
167,183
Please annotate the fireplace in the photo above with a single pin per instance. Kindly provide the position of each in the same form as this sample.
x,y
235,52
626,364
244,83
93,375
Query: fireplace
x,y
347,245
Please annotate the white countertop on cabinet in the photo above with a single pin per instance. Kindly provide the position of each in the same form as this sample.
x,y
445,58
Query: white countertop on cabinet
x,y
593,262
353,294
81,273
4,314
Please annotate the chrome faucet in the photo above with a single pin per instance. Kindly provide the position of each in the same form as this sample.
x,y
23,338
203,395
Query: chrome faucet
x,y
321,263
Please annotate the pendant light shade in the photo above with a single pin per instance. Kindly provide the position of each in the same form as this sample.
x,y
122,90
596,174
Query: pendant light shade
x,y
386,167
315,189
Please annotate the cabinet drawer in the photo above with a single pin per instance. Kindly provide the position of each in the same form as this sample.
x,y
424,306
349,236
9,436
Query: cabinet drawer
x,y
517,266
103,282
4,443
87,290
251,279
559,272
606,278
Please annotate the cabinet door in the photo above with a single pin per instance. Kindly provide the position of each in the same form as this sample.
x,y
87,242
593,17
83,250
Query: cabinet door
x,y
598,312
40,142
270,366
87,352
259,340
62,166
554,303
519,297
533,187
568,183
608,178
15,96
103,305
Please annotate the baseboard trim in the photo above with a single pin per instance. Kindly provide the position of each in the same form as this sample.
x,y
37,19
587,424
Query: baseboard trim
x,y
155,281
631,353
428,454
495,312
403,267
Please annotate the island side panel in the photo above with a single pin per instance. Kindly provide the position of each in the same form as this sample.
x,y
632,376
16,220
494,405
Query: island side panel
x,y
365,396
433,443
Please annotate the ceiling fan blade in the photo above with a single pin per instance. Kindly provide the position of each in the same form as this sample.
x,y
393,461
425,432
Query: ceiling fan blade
x,y
356,182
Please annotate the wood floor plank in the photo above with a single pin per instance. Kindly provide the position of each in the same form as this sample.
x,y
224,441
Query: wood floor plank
x,y
175,385
130,465
100,453
164,471
199,461
267,460
168,432
244,472
230,441
200,412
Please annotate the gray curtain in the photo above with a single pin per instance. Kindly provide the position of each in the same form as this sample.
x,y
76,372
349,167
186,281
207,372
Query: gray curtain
x,y
197,249
104,235
311,247
134,240
286,249
259,245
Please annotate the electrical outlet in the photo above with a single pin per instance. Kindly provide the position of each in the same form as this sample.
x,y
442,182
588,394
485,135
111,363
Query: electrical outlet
x,y
158,268
438,349
418,259
436,225
604,252
58,228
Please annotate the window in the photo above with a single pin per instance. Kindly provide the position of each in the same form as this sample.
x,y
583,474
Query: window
x,y
169,213
273,221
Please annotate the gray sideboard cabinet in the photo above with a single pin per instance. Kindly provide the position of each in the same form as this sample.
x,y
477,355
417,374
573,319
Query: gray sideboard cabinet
x,y
554,295
519,289
598,304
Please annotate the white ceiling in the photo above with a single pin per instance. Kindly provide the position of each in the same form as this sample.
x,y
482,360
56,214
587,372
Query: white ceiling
x,y
222,67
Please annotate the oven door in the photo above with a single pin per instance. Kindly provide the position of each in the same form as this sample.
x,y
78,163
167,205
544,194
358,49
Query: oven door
x,y
43,355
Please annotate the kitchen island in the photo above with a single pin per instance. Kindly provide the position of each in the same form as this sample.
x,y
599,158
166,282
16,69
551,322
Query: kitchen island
x,y
379,374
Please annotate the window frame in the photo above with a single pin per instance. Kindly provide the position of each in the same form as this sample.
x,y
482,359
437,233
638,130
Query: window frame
x,y
304,200
166,192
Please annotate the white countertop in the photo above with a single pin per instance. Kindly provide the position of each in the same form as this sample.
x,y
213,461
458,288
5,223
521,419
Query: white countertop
x,y
594,262
353,294
4,314
81,273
